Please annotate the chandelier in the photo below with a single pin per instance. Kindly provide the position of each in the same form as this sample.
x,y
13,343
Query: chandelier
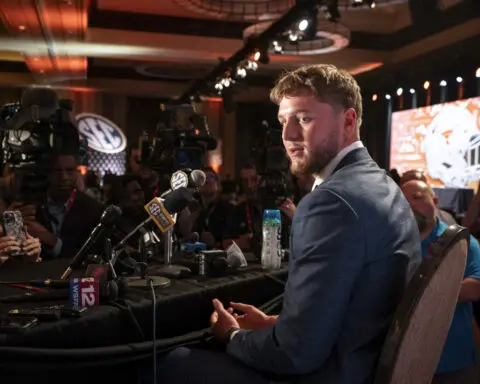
x,y
262,10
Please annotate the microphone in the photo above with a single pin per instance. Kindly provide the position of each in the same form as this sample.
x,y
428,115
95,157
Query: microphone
x,y
107,220
161,213
186,178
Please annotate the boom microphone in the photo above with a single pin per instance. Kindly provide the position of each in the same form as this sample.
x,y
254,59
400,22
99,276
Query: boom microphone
x,y
107,220
186,178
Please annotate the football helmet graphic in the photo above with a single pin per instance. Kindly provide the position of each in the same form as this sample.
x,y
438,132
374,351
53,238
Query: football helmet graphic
x,y
452,147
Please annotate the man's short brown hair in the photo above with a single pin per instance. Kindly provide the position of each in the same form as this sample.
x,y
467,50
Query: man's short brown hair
x,y
325,82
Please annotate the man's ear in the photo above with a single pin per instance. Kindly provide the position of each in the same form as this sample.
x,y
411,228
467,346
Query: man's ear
x,y
435,200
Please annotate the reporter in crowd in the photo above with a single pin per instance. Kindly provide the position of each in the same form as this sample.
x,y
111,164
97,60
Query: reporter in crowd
x,y
346,243
458,363
67,216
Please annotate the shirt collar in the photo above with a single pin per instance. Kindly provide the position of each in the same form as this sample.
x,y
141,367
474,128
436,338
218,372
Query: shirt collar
x,y
327,171
52,203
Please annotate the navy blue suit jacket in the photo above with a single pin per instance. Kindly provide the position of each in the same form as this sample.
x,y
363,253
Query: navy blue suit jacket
x,y
353,241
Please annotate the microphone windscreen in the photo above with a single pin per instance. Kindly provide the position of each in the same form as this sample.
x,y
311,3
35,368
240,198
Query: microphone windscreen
x,y
198,178
110,215
177,200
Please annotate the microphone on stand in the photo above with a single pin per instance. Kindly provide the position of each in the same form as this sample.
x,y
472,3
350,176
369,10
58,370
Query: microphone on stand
x,y
107,220
146,252
160,212
187,178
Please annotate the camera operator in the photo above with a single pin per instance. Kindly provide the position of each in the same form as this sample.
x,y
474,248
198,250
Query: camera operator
x,y
65,220
244,222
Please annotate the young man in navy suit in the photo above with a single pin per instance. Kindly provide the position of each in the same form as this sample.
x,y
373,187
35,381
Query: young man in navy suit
x,y
354,245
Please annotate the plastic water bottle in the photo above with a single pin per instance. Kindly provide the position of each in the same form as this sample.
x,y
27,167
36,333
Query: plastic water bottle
x,y
272,236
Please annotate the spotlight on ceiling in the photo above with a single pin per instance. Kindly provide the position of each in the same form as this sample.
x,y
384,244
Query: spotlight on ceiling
x,y
303,25
426,85
374,97
293,37
459,79
277,48
399,91
477,73
412,91
388,97
241,72
443,83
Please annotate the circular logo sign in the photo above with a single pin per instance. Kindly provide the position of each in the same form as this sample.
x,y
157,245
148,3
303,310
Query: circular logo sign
x,y
102,135
155,209
179,179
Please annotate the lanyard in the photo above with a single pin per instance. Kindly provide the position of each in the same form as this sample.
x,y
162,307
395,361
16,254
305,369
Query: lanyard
x,y
70,201
249,218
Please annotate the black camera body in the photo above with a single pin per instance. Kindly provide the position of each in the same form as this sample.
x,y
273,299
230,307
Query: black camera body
x,y
31,133
182,141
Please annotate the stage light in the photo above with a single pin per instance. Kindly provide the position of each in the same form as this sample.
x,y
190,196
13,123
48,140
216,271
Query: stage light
x,y
399,91
252,65
226,82
477,73
443,83
22,28
426,85
303,25
388,97
241,72
459,79
256,56
293,37
412,91
218,86
374,97
277,48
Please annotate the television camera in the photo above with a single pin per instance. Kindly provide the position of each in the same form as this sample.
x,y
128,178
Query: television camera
x,y
182,141
31,132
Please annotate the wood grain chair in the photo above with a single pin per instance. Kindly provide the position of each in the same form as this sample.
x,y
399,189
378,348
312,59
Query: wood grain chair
x,y
420,326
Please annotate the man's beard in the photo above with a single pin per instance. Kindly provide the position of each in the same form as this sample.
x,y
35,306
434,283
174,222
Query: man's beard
x,y
422,222
317,159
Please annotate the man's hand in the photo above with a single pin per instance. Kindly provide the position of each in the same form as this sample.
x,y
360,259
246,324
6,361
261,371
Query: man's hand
x,y
40,232
32,248
288,207
8,245
221,321
252,317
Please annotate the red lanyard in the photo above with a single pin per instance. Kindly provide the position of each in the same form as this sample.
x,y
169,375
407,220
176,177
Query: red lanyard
x,y
71,200
249,218
155,192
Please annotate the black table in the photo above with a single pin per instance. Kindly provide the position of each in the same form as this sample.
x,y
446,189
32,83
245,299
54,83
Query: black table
x,y
123,330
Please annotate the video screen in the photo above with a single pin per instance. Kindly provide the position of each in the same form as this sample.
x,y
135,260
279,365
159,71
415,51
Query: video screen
x,y
441,140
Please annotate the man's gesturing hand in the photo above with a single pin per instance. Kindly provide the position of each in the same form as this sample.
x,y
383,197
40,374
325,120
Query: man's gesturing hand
x,y
252,317
221,321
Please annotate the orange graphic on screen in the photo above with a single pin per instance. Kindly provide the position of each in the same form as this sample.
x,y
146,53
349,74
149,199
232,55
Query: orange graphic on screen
x,y
442,140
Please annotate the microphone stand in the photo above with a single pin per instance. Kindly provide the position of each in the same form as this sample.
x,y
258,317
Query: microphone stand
x,y
170,270
143,280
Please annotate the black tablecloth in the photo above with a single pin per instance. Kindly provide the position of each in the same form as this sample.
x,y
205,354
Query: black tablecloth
x,y
182,308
